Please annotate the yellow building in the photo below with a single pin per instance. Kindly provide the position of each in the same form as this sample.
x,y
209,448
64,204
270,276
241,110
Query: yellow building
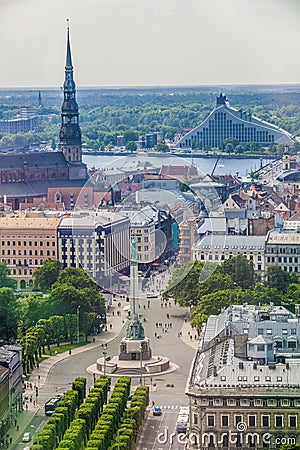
x,y
25,243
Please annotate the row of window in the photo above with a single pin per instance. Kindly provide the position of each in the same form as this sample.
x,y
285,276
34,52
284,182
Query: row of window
x,y
30,253
20,262
252,420
30,243
278,402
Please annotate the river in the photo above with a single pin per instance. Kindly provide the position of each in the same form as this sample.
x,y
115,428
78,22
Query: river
x,y
225,166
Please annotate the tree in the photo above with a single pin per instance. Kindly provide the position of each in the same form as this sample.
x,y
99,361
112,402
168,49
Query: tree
x,y
75,288
5,281
161,147
46,275
279,278
8,314
241,271
213,304
131,146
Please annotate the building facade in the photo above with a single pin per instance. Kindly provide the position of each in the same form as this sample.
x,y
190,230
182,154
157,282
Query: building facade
x,y
217,248
11,358
283,250
227,122
97,242
243,389
25,243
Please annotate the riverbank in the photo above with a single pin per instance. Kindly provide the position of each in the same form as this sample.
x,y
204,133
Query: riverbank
x,y
181,154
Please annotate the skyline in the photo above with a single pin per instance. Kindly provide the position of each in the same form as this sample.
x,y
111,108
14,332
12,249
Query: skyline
x,y
178,44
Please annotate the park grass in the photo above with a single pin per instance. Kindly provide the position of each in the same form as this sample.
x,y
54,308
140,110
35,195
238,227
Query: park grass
x,y
64,347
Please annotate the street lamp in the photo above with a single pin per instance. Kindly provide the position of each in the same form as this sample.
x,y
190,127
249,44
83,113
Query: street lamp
x,y
78,310
37,431
104,363
141,361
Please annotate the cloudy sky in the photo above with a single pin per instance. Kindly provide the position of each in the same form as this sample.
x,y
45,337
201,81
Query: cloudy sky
x,y
150,42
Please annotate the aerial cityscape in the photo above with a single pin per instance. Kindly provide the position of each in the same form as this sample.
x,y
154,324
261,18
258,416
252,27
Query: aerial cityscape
x,y
149,227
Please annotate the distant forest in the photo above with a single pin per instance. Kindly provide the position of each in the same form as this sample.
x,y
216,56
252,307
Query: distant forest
x,y
107,113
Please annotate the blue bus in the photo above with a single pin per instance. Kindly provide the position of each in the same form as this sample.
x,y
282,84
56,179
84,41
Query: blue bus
x,y
51,404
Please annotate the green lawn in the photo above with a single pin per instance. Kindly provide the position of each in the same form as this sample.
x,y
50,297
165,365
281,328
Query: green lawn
x,y
54,349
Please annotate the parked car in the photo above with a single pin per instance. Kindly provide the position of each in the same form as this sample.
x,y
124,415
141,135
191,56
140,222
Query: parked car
x,y
156,411
152,295
26,437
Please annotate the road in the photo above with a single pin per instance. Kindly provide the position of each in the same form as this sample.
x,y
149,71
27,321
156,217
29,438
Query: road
x,y
168,344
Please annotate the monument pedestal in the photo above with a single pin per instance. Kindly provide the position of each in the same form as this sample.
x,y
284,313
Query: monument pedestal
x,y
135,349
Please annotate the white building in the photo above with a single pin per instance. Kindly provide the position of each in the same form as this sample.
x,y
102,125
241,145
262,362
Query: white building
x,y
244,387
217,248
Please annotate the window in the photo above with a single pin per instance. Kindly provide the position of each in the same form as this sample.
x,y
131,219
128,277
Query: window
x,y
225,421
260,347
279,378
195,419
278,421
292,421
293,331
268,378
237,420
265,421
210,421
292,344
251,421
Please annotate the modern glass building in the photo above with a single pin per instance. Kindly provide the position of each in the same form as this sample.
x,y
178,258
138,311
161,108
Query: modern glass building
x,y
227,122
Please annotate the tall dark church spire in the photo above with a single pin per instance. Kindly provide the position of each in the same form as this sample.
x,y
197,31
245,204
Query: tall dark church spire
x,y
70,133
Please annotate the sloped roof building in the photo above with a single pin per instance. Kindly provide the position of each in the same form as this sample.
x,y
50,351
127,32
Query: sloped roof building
x,y
227,122
26,176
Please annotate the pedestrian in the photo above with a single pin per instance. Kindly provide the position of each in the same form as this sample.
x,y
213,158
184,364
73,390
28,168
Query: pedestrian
x,y
110,325
113,313
18,427
26,406
155,334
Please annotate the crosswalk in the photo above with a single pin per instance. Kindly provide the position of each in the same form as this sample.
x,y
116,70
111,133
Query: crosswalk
x,y
169,406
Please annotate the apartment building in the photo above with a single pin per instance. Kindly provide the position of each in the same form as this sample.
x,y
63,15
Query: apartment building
x,y
154,232
244,388
96,241
26,240
283,249
188,236
217,248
